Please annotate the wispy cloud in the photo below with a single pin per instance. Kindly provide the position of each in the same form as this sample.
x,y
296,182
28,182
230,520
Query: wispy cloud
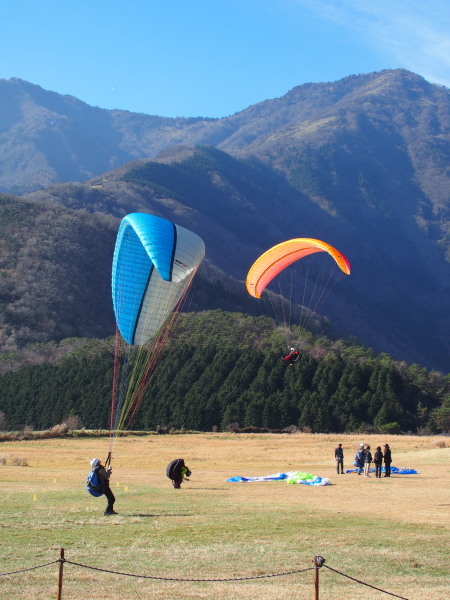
x,y
412,34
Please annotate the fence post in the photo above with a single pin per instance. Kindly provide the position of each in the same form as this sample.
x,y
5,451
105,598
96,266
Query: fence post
x,y
60,576
318,561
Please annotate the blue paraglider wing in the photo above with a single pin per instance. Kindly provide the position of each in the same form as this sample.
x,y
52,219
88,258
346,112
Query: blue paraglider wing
x,y
154,260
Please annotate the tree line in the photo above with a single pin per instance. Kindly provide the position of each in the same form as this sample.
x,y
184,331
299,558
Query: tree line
x,y
204,383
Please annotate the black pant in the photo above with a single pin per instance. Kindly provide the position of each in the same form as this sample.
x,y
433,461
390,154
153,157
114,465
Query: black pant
x,y
377,470
111,499
387,467
339,465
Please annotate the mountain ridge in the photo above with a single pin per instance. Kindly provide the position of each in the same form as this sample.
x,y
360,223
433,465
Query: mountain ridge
x,y
361,163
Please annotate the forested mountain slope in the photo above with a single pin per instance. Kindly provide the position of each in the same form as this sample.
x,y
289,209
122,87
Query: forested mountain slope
x,y
55,276
397,296
223,371
361,163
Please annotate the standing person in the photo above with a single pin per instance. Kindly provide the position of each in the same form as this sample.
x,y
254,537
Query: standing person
x,y
103,476
339,456
387,457
378,461
359,459
367,461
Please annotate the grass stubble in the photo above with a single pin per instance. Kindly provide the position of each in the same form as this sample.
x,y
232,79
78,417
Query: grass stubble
x,y
391,533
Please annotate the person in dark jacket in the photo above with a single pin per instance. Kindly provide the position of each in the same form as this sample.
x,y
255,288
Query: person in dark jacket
x,y
367,461
378,461
387,457
339,456
104,475
177,471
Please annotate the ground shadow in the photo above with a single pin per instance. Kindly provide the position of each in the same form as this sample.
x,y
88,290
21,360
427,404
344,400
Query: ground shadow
x,y
162,515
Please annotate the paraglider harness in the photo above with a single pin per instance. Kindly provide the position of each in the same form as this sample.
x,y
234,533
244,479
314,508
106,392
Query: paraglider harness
x,y
94,483
359,460
292,357
177,471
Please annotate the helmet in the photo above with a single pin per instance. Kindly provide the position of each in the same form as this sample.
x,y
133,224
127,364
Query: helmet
x,y
292,349
95,462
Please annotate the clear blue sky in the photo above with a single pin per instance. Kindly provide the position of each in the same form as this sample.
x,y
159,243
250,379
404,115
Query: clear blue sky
x,y
213,58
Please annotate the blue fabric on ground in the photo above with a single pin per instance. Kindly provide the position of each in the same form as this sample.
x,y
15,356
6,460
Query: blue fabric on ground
x,y
396,470
275,477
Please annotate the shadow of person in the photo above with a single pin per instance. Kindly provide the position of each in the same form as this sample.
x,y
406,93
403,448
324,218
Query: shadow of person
x,y
162,515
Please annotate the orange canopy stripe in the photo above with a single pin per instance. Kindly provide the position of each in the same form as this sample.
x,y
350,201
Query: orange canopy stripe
x,y
277,258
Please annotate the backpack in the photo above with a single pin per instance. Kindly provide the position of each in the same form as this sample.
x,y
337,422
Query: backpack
x,y
173,470
359,459
94,484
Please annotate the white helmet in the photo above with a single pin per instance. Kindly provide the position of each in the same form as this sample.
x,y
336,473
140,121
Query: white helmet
x,y
95,462
292,349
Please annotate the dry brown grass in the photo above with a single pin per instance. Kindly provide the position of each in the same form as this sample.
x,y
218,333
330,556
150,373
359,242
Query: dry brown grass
x,y
391,533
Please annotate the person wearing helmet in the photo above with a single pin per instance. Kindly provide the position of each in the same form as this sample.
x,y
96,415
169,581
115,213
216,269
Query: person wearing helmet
x,y
292,357
360,458
104,475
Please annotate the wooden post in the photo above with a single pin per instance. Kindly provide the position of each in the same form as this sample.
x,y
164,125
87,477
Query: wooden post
x,y
61,569
317,562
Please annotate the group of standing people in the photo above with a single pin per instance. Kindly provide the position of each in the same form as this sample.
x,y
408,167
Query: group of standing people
x,y
364,459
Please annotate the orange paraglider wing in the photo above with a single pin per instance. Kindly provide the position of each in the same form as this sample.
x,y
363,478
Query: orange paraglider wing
x,y
272,262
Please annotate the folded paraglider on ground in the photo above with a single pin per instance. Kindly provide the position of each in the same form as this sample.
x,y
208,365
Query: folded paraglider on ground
x,y
289,477
397,471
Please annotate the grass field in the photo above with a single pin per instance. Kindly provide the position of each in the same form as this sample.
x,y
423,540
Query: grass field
x,y
390,533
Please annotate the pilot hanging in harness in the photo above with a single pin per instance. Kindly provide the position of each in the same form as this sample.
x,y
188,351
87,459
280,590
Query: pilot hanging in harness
x,y
292,357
